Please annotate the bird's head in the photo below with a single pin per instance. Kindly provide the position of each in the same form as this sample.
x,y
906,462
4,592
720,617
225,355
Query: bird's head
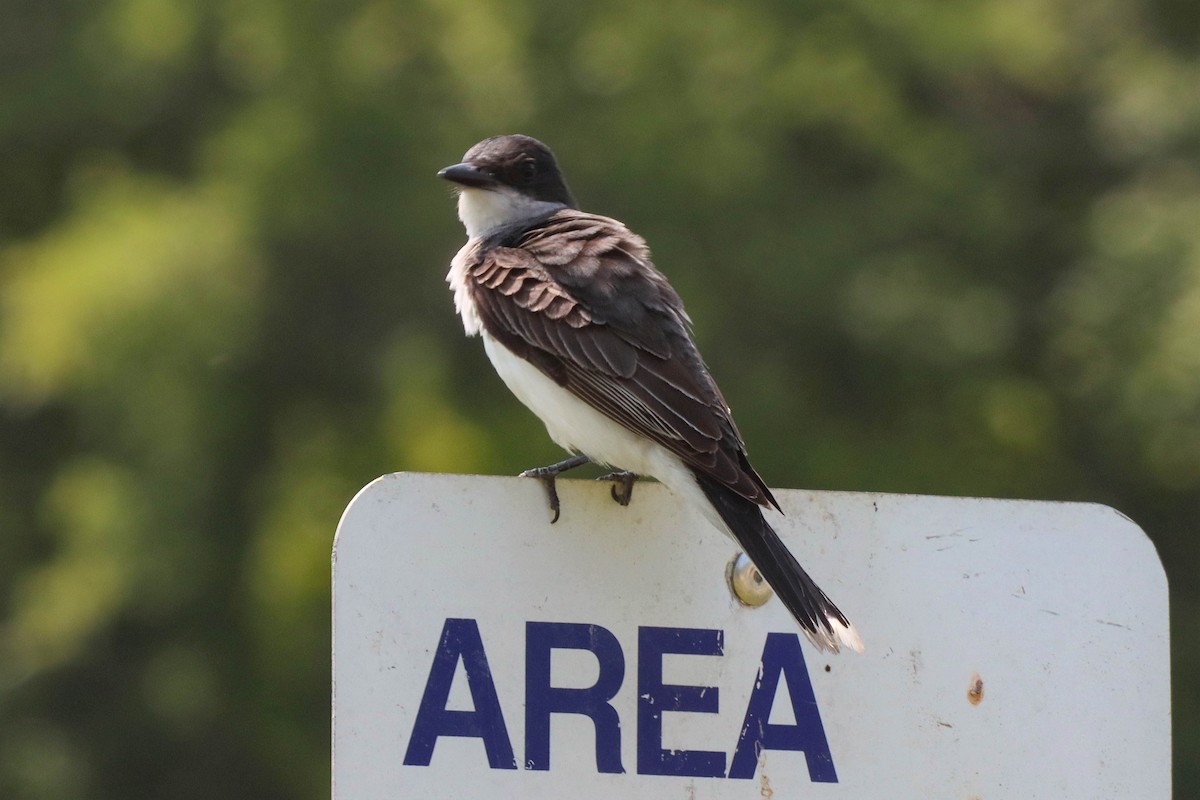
x,y
505,180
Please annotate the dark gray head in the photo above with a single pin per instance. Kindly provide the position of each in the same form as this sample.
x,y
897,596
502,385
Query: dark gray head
x,y
512,162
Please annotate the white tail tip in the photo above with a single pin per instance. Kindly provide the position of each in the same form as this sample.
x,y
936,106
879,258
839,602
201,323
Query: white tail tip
x,y
847,635
842,635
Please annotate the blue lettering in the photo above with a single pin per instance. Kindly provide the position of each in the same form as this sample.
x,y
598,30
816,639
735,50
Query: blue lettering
x,y
782,656
460,641
655,698
542,699
782,659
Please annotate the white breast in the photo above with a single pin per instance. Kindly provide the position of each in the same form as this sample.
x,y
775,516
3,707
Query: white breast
x,y
457,278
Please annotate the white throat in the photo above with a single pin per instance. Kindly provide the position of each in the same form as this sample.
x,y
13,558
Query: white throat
x,y
481,210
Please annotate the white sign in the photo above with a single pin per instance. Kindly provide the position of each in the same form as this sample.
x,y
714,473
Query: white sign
x,y
1014,650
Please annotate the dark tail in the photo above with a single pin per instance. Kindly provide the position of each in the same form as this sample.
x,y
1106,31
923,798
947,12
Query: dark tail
x,y
823,623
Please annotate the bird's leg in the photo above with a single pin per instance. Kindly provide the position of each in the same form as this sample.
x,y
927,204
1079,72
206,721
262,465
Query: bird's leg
x,y
622,488
547,475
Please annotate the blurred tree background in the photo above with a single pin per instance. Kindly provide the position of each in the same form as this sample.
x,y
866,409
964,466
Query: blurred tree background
x,y
955,244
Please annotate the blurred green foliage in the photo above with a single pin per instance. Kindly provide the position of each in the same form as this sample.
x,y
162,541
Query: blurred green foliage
x,y
974,226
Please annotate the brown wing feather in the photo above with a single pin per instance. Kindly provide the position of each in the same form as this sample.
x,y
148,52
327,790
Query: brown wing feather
x,y
577,296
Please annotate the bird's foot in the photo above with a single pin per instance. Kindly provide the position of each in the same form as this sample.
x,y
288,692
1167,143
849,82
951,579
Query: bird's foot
x,y
547,475
622,488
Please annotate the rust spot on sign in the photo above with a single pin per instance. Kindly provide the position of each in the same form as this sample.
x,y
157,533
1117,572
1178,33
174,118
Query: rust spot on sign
x,y
764,785
975,693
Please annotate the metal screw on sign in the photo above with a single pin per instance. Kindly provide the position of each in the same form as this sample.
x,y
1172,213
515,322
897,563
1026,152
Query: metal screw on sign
x,y
747,582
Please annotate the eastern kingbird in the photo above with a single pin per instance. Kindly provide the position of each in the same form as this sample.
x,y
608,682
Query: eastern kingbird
x,y
588,334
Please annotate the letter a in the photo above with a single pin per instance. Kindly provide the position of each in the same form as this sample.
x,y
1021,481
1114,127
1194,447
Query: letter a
x,y
460,641
782,656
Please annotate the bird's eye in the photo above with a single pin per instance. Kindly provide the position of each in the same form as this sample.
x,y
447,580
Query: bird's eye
x,y
527,168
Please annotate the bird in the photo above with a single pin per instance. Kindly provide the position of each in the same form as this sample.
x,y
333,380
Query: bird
x,y
588,334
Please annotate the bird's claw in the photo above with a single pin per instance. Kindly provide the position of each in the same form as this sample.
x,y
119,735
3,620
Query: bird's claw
x,y
622,488
547,476
552,493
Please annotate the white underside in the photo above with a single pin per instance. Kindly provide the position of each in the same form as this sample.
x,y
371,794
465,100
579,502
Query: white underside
x,y
576,426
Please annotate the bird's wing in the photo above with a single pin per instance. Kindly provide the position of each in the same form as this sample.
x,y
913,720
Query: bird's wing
x,y
577,296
